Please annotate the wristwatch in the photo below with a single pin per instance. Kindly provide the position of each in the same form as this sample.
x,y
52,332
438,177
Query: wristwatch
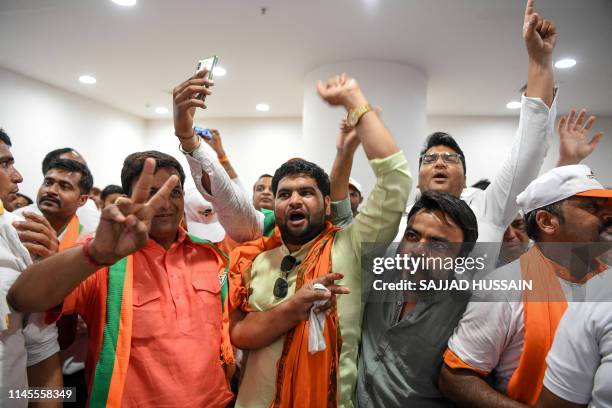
x,y
353,116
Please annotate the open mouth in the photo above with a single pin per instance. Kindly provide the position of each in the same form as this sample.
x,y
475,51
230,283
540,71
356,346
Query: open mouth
x,y
440,177
297,219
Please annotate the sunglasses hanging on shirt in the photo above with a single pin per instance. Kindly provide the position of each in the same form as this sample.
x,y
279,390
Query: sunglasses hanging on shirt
x,y
281,286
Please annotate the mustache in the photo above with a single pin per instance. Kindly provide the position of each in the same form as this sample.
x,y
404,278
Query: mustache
x,y
49,198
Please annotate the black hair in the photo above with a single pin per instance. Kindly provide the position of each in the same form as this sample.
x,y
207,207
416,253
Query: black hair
x,y
111,189
442,139
86,181
4,138
133,164
301,167
482,184
454,208
55,154
531,225
28,199
259,178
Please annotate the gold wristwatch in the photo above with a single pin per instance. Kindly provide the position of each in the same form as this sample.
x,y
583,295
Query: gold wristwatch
x,y
353,116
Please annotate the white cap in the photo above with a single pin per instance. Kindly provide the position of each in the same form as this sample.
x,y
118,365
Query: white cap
x,y
558,184
355,183
201,217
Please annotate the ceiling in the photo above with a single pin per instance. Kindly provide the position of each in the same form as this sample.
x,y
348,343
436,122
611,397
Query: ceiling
x,y
471,50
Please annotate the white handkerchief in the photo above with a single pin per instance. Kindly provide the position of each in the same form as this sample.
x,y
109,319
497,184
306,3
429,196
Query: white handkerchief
x,y
316,328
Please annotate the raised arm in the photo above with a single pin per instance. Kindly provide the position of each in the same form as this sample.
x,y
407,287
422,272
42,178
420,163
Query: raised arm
x,y
540,37
380,216
344,91
536,123
234,209
346,145
123,230
217,145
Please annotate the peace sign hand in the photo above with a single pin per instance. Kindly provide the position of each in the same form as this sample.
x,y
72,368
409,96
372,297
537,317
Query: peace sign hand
x,y
124,226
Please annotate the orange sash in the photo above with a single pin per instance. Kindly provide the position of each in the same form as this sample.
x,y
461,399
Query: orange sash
x,y
541,319
302,379
73,229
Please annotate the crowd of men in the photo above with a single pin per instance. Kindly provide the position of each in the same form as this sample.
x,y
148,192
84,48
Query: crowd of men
x,y
146,295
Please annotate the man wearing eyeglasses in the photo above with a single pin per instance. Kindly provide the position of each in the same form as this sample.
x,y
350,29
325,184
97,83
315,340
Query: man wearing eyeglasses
x,y
442,163
272,279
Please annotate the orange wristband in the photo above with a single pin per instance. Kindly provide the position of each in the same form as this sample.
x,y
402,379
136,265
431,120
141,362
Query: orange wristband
x,y
223,159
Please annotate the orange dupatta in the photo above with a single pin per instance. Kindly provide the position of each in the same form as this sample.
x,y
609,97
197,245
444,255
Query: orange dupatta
x,y
302,379
541,320
73,229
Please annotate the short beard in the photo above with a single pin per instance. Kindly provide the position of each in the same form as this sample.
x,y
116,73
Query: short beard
x,y
312,231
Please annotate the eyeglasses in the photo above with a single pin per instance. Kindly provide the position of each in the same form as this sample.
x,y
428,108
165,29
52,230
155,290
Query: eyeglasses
x,y
451,158
281,286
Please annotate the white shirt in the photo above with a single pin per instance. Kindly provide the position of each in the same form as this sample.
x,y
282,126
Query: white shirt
x,y
496,207
491,335
27,341
241,221
89,216
580,359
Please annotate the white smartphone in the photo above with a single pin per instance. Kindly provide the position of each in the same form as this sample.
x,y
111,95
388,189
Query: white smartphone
x,y
209,64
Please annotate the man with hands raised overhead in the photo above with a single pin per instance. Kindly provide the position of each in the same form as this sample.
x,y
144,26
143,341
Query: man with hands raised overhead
x,y
235,212
271,279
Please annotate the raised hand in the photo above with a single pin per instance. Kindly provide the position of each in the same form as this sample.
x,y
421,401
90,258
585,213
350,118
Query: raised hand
x,y
215,142
574,145
347,141
37,235
185,102
124,226
341,90
540,35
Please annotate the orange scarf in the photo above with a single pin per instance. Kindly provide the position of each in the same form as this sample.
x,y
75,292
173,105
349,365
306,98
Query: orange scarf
x,y
543,308
71,234
302,379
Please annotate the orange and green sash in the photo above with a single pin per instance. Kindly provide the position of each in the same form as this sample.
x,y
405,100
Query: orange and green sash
x,y
73,230
111,368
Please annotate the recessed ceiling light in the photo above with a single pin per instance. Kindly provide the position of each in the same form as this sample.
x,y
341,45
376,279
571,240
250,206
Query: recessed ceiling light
x,y
219,71
125,3
565,63
262,107
87,79
160,110
513,105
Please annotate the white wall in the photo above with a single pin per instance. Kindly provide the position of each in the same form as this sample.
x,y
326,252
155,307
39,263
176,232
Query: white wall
x,y
253,146
39,118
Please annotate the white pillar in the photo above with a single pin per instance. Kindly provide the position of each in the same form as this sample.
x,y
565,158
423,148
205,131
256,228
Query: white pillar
x,y
400,90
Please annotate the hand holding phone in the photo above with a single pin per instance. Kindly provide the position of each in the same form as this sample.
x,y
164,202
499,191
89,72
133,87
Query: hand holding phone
x,y
208,64
203,132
